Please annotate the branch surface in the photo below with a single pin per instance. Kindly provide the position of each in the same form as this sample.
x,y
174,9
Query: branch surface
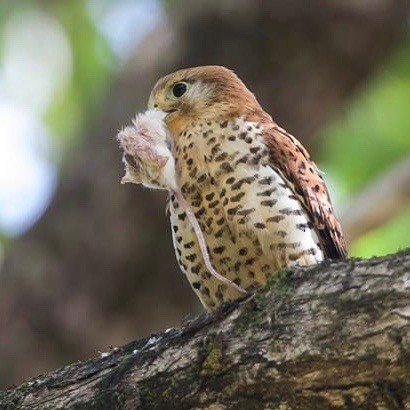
x,y
334,336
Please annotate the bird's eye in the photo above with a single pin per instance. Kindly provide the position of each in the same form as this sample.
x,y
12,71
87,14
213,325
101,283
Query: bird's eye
x,y
179,89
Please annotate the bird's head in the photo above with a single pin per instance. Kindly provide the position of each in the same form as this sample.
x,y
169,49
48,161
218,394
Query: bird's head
x,y
208,93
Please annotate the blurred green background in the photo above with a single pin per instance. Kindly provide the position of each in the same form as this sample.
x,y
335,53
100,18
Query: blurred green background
x,y
66,71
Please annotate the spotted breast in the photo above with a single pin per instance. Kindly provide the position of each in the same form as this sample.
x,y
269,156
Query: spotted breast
x,y
253,222
260,200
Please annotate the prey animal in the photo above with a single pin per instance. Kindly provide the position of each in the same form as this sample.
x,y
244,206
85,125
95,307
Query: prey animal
x,y
260,202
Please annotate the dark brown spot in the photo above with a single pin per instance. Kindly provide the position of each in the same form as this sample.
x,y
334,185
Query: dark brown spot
x,y
304,227
215,149
268,192
226,166
265,181
205,275
243,251
200,212
205,291
246,180
282,234
189,245
246,212
284,245
196,285
193,172
196,268
288,211
250,261
237,197
242,160
276,218
259,225
182,216
219,249
218,234
221,157
269,202
191,257
233,211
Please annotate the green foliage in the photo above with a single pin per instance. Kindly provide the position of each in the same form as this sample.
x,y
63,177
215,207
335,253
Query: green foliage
x,y
93,62
387,239
370,136
375,130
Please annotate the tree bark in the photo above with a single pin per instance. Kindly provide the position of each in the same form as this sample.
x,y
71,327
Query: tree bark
x,y
335,336
101,257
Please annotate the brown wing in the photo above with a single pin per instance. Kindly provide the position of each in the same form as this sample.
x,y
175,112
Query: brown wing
x,y
291,159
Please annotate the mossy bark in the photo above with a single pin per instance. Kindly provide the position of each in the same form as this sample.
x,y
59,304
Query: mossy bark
x,y
335,336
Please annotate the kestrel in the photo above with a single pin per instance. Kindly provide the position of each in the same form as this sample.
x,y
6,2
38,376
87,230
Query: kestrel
x,y
259,199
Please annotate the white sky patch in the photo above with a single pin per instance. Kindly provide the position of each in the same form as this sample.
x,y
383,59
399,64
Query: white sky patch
x,y
37,59
27,178
124,22
36,63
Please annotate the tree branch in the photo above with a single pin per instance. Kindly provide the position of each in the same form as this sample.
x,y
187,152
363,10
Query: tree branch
x,y
381,200
335,336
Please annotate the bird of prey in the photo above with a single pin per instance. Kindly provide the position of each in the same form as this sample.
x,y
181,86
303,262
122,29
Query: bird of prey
x,y
261,202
